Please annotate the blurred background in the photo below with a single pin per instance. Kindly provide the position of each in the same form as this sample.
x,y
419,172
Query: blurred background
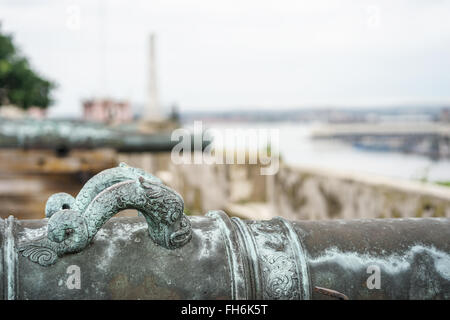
x,y
359,91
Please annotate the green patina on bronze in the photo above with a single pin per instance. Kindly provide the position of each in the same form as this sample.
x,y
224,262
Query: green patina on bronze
x,y
73,222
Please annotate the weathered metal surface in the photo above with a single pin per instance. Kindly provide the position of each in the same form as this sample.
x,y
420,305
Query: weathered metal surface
x,y
219,257
413,256
122,262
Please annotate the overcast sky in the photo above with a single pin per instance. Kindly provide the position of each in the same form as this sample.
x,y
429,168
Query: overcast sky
x,y
214,55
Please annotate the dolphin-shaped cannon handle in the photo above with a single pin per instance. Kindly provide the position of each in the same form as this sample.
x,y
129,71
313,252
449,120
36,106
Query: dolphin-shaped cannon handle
x,y
73,222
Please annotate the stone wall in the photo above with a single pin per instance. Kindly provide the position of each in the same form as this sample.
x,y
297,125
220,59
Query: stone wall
x,y
311,193
204,187
294,192
28,178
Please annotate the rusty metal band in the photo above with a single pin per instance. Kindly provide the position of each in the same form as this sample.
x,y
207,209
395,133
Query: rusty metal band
x,y
299,254
9,260
234,257
248,244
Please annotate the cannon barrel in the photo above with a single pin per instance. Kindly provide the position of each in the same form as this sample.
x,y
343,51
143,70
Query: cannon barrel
x,y
67,135
80,251
235,259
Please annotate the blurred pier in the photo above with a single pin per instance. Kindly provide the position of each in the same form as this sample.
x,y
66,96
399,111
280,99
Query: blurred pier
x,y
430,139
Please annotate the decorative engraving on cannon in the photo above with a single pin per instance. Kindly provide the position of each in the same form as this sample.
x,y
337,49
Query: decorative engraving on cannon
x,y
266,259
73,222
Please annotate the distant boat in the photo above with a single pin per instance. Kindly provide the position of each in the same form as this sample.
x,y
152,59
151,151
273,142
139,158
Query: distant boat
x,y
374,147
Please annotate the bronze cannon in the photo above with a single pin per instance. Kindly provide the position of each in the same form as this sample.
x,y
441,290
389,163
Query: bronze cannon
x,y
80,251
65,135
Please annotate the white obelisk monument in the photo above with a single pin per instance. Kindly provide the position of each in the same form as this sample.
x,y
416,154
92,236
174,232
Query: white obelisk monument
x,y
152,112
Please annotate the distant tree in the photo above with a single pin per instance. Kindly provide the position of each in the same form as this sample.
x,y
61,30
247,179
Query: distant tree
x,y
19,84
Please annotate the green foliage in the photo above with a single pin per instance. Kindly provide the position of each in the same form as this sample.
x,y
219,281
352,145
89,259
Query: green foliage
x,y
19,84
444,183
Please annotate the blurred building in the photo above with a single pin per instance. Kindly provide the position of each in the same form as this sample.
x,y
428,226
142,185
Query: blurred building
x,y
107,111
13,112
445,115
